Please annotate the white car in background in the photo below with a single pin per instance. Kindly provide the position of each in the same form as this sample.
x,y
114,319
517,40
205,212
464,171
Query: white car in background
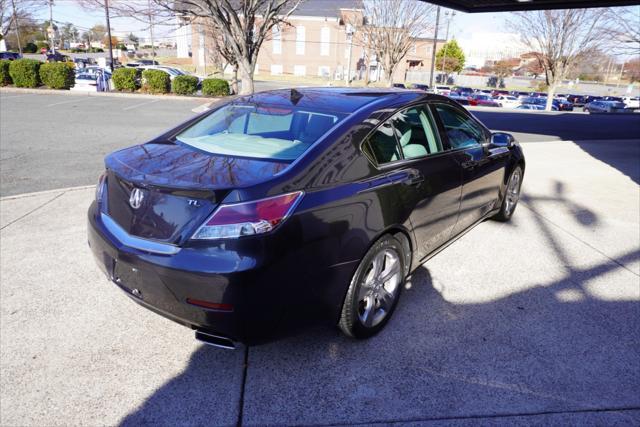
x,y
631,101
507,101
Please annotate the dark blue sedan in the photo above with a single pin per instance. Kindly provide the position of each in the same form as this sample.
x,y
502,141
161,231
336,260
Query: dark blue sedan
x,y
283,204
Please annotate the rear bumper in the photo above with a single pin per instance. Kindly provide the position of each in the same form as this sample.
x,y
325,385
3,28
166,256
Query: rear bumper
x,y
260,290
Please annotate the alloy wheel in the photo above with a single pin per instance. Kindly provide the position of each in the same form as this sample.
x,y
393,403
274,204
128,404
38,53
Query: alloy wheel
x,y
379,287
513,192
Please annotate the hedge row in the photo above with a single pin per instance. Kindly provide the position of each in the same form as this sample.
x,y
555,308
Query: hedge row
x,y
184,85
126,79
5,77
215,87
157,81
32,73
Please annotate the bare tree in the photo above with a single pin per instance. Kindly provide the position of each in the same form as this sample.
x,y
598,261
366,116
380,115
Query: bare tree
x,y
624,30
391,29
244,24
562,38
12,10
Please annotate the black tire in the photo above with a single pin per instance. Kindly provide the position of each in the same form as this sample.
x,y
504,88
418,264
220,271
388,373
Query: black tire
x,y
353,311
509,204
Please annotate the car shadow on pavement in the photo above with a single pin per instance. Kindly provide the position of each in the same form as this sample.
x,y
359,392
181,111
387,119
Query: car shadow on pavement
x,y
553,347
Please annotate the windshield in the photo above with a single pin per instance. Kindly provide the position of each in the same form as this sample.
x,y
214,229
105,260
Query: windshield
x,y
259,131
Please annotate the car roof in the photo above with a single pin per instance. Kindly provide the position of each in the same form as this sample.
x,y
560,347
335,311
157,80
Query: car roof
x,y
337,99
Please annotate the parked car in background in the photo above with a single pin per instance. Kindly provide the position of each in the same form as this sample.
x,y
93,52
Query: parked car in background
x,y
591,98
483,100
148,62
58,57
613,98
462,100
498,92
576,100
534,107
320,200
11,56
539,101
563,104
420,86
442,90
462,90
600,106
631,101
507,101
399,86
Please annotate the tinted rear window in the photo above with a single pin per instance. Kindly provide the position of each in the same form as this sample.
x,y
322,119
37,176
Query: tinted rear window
x,y
259,131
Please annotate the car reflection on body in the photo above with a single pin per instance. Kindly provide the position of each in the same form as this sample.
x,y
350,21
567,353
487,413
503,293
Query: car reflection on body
x,y
297,201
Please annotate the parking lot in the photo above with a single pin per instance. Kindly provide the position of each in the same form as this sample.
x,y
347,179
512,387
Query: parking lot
x,y
536,321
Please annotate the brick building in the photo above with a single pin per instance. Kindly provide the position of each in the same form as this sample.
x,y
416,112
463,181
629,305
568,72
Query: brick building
x,y
316,43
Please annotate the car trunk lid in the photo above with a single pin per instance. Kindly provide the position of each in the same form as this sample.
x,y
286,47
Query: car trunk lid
x,y
164,191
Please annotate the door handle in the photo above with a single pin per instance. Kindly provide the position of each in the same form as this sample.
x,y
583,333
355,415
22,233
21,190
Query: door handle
x,y
469,164
407,178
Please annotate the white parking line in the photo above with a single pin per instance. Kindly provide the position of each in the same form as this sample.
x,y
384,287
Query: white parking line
x,y
140,105
70,101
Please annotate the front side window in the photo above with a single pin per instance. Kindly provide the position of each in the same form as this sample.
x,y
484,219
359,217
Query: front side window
x,y
259,131
462,131
415,131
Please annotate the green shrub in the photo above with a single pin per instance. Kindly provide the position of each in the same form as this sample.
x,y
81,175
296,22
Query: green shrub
x,y
155,81
5,77
30,48
215,87
184,85
58,75
40,45
126,79
24,72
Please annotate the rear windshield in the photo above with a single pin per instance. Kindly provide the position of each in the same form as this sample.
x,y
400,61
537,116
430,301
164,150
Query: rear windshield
x,y
259,131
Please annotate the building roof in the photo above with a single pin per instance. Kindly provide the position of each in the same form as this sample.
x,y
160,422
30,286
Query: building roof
x,y
515,5
325,8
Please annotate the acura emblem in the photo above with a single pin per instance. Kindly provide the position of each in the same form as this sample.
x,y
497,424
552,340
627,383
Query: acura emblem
x,y
136,198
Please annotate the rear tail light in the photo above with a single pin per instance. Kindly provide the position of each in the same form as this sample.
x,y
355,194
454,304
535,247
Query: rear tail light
x,y
248,218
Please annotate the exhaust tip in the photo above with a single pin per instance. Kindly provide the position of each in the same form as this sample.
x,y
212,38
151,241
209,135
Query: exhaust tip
x,y
215,340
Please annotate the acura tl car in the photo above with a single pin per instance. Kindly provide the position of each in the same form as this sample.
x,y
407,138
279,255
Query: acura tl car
x,y
321,198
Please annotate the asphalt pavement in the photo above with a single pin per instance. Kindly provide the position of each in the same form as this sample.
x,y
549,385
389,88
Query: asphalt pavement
x,y
59,141
532,322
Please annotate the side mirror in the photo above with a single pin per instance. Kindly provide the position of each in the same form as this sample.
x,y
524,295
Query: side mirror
x,y
502,139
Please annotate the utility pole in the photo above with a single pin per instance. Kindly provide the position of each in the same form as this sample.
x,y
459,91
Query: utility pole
x,y
106,13
15,20
50,30
153,49
446,41
435,46
350,31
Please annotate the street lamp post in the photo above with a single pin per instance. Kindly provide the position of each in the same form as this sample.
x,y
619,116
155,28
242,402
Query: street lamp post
x,y
450,15
50,31
350,30
435,46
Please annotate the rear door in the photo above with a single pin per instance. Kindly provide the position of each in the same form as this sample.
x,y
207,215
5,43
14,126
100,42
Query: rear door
x,y
482,168
425,175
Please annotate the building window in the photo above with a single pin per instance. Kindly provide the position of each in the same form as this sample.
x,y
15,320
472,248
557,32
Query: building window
x,y
299,70
300,40
412,50
324,71
276,69
325,39
276,40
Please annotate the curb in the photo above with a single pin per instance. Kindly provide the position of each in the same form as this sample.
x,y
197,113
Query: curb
x,y
45,192
108,94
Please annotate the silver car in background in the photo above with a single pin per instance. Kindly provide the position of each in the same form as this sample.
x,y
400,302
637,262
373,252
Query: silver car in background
x,y
606,107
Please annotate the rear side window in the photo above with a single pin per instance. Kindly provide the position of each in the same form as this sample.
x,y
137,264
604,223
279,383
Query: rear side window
x,y
383,144
259,131
462,131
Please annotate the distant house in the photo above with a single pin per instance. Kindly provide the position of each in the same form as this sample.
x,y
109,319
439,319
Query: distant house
x,y
316,43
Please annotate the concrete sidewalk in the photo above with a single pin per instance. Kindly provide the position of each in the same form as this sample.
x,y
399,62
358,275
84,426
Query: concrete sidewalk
x,y
536,321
